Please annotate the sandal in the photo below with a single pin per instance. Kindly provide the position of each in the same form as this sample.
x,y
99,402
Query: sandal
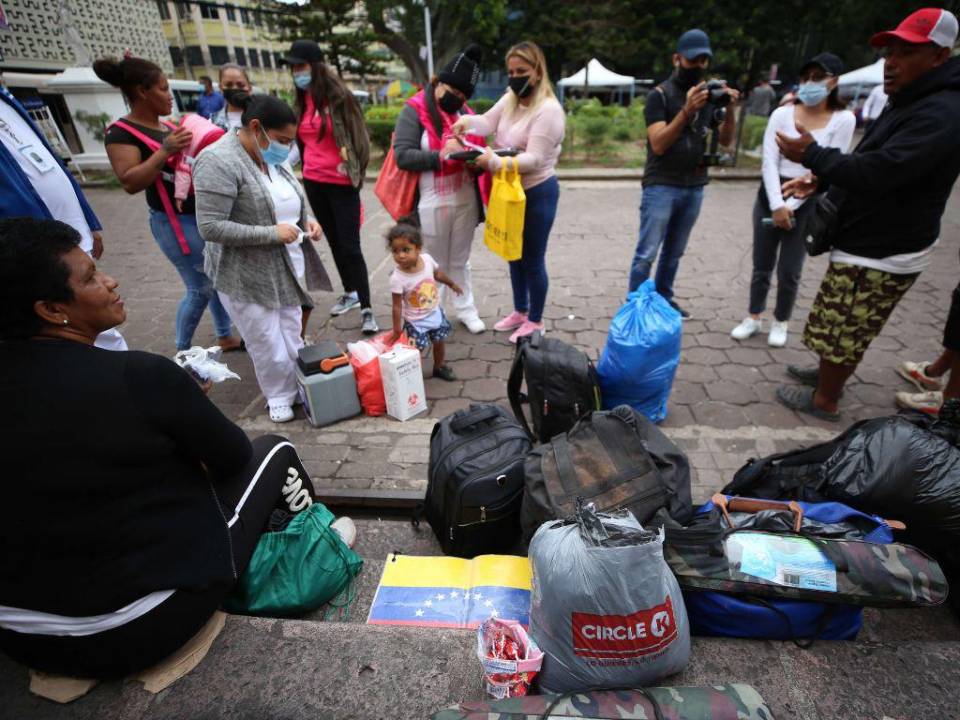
x,y
444,372
807,375
801,399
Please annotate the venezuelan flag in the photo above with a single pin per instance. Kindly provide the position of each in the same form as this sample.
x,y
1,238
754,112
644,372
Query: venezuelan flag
x,y
452,592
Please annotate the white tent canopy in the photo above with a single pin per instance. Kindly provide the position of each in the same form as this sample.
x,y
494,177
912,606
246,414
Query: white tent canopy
x,y
866,76
596,76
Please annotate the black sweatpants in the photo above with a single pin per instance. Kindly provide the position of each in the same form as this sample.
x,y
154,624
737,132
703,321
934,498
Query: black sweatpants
x,y
247,500
337,208
951,333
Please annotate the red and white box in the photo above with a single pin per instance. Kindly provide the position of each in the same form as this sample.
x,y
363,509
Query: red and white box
x,y
403,389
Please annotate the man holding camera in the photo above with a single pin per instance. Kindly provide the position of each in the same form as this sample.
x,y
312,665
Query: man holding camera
x,y
889,195
680,113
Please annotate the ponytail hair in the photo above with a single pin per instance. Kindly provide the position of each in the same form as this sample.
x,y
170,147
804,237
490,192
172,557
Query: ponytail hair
x,y
128,74
272,112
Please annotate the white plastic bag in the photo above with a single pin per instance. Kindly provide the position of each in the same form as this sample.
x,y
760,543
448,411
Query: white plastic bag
x,y
204,364
605,608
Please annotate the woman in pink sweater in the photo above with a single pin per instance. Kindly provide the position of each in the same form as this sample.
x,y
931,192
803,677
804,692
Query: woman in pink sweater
x,y
529,118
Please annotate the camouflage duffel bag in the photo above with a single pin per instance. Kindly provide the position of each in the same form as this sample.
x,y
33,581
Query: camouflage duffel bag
x,y
821,552
717,702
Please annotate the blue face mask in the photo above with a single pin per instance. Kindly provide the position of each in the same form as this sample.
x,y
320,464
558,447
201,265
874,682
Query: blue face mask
x,y
302,80
813,93
276,152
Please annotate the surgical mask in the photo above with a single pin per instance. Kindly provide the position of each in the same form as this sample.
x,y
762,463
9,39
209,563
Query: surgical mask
x,y
302,80
813,93
521,85
688,77
234,95
450,103
276,152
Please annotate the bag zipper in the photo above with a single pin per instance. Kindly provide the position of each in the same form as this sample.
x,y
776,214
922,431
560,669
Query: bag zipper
x,y
476,476
463,441
492,510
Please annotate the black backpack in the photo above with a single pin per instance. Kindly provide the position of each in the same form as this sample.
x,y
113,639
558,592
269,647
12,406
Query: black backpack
x,y
475,480
616,459
561,382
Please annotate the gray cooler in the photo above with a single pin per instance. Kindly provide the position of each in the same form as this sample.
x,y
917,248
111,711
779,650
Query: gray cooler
x,y
327,383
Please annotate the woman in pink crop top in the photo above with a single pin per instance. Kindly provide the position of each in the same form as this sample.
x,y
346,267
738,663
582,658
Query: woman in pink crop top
x,y
335,148
529,118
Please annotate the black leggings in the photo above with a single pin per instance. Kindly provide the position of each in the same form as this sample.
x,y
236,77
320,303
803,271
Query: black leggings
x,y
337,208
149,638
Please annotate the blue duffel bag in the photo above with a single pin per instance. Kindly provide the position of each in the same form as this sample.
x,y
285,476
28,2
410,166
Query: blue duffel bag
x,y
744,616
642,354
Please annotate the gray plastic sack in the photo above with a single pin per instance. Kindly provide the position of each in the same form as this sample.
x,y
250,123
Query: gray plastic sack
x,y
605,608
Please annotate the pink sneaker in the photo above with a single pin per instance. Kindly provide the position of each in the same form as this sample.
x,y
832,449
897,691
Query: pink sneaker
x,y
511,322
528,328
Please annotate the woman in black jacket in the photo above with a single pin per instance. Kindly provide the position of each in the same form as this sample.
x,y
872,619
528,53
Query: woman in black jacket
x,y
132,505
448,202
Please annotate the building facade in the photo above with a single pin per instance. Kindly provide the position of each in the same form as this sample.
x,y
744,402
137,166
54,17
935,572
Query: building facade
x,y
52,35
202,36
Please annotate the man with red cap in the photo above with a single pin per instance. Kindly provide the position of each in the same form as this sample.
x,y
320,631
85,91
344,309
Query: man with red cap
x,y
889,195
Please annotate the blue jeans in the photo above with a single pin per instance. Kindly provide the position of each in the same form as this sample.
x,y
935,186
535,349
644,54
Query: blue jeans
x,y
200,292
667,215
528,275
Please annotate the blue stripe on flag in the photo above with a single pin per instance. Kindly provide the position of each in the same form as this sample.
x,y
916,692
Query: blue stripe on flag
x,y
450,607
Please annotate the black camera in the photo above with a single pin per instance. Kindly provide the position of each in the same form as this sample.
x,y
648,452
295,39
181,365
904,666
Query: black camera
x,y
715,111
713,114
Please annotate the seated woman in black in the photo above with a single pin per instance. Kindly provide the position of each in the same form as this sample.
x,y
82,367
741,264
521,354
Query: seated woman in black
x,y
131,505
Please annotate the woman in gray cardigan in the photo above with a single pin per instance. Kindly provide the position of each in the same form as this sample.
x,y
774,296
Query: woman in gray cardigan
x,y
252,215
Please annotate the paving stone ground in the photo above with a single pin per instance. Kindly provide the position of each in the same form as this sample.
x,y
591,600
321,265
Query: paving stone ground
x,y
722,409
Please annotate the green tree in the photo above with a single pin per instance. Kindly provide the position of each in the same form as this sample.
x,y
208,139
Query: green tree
x,y
398,24
341,27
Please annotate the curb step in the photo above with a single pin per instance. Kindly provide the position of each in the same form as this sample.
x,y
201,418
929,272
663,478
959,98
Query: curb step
x,y
262,668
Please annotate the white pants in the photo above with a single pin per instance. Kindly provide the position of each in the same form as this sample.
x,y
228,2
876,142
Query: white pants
x,y
448,236
111,340
273,338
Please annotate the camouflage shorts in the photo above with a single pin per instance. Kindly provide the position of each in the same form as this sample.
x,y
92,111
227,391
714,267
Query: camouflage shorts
x,y
850,311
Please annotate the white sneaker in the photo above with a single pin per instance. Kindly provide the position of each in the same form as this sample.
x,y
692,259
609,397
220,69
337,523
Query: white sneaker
x,y
346,529
474,324
778,334
281,413
748,328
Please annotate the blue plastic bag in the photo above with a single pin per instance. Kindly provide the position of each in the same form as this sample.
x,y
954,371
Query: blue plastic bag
x,y
642,354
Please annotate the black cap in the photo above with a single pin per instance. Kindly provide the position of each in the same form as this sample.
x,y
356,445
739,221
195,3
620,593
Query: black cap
x,y
302,52
463,71
828,61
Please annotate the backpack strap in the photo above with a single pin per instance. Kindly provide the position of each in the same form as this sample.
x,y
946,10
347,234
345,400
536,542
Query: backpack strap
x,y
161,188
565,469
517,399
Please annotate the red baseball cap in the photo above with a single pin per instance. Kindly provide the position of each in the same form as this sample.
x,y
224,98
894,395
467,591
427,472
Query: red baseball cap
x,y
930,25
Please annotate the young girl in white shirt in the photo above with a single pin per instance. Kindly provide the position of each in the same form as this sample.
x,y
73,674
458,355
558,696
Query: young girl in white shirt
x,y
416,297
819,110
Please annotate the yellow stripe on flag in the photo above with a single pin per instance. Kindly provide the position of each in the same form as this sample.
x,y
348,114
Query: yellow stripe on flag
x,y
485,570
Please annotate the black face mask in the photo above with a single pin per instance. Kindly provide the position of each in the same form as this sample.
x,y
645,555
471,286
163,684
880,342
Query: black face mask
x,y
450,103
521,85
688,77
232,95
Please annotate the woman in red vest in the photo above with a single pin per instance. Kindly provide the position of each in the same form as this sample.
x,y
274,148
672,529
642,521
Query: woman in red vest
x,y
448,197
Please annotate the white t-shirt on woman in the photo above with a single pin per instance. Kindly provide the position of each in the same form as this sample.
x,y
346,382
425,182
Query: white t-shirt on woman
x,y
838,133
286,206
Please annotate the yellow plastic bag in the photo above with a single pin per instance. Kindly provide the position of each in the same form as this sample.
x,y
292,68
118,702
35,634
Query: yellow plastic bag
x,y
508,204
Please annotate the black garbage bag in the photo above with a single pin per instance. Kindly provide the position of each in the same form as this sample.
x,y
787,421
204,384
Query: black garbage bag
x,y
903,467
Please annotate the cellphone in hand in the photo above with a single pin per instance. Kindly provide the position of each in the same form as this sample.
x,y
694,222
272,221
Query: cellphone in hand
x,y
768,222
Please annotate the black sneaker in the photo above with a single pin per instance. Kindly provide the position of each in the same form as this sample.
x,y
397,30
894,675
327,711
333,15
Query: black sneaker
x,y
807,375
444,372
683,313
